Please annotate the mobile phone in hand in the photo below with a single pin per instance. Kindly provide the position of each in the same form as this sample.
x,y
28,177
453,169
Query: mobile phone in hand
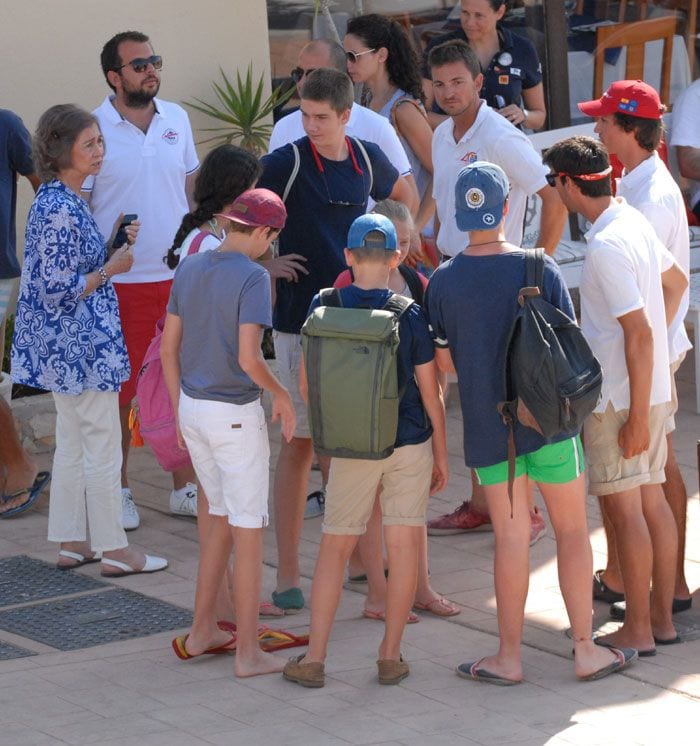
x,y
120,238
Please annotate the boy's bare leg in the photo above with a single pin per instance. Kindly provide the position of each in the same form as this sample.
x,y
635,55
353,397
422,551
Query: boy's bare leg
x,y
566,504
612,575
333,555
247,578
403,544
214,550
677,497
371,550
17,468
291,480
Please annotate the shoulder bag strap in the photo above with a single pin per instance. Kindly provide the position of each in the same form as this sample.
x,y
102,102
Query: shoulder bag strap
x,y
293,175
368,163
411,278
197,242
402,100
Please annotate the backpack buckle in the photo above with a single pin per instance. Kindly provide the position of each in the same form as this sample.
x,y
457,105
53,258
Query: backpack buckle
x,y
528,292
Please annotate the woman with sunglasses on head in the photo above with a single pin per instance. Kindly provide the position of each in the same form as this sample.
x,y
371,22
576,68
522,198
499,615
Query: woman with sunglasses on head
x,y
510,65
381,56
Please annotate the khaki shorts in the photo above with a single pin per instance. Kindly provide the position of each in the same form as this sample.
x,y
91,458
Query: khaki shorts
x,y
288,355
352,489
671,419
608,471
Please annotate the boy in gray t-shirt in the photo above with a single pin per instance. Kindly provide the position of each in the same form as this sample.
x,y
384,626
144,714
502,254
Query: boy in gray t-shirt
x,y
215,373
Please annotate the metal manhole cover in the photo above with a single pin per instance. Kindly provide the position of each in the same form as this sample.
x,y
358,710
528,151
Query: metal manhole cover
x,y
9,651
74,623
24,579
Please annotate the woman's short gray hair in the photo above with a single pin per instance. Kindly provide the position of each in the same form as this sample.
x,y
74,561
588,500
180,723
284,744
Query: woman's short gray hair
x,y
55,136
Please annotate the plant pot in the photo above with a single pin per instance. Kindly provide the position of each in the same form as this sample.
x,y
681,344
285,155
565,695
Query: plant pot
x,y
5,387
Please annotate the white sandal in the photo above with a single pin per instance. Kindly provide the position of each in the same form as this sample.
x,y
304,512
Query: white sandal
x,y
153,564
80,559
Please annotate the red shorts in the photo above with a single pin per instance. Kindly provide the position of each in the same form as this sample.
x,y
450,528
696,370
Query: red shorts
x,y
141,305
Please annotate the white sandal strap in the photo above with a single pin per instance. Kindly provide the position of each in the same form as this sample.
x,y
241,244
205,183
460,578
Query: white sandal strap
x,y
119,565
71,555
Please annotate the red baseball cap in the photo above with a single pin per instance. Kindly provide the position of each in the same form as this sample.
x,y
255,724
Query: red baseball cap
x,y
633,97
261,208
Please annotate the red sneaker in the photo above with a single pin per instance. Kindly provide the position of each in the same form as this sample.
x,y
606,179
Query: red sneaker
x,y
462,520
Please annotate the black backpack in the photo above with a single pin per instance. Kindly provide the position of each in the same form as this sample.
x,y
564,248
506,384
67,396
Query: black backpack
x,y
552,378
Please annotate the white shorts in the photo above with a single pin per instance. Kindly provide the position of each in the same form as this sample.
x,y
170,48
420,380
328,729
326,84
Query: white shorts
x,y
6,288
230,452
288,354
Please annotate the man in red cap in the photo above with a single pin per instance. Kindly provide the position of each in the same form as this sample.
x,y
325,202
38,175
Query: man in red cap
x,y
629,123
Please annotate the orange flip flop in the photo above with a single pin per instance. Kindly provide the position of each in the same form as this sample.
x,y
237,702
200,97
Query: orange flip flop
x,y
181,651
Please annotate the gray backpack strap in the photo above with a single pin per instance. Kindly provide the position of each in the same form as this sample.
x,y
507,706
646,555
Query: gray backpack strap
x,y
368,163
295,171
330,297
534,264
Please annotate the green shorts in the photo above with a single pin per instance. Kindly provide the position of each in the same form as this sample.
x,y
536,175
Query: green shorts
x,y
555,463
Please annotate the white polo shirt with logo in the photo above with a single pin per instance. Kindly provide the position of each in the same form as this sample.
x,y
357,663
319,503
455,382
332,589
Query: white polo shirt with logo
x,y
622,273
650,188
491,138
144,174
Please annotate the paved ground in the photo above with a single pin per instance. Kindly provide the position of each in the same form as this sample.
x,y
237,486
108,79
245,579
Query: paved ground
x,y
137,692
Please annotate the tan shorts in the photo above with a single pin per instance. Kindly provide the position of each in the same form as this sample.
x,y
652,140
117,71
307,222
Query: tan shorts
x,y
288,354
608,471
352,488
671,419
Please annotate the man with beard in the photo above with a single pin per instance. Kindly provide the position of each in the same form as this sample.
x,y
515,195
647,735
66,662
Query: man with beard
x,y
149,170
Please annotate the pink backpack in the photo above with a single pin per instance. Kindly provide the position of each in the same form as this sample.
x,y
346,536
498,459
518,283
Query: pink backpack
x,y
152,414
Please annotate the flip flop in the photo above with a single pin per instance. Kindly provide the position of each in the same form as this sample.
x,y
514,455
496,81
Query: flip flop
x,y
181,651
624,656
363,578
80,559
648,653
474,672
271,639
380,616
603,592
34,491
669,641
270,611
291,600
439,607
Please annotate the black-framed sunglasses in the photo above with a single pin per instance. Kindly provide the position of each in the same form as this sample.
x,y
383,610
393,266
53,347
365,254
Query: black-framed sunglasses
x,y
140,64
552,178
298,73
354,56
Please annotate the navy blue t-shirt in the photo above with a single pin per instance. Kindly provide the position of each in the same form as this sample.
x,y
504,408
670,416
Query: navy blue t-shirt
x,y
15,157
471,303
321,207
514,68
415,348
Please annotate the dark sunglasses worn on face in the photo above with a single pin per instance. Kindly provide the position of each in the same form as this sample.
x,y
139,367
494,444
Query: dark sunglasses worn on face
x,y
140,64
298,73
354,56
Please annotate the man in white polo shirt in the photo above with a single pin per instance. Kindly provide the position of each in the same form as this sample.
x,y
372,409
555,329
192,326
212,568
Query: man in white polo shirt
x,y
629,124
148,169
630,287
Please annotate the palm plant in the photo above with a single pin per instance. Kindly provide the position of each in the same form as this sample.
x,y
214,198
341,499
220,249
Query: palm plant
x,y
243,111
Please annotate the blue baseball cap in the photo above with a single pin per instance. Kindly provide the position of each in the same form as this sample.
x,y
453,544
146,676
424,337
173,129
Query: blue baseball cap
x,y
372,231
480,194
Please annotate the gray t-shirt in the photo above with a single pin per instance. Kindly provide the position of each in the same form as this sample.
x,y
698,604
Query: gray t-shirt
x,y
213,294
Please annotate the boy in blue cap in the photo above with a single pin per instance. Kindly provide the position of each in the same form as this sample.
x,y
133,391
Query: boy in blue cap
x,y
416,468
471,303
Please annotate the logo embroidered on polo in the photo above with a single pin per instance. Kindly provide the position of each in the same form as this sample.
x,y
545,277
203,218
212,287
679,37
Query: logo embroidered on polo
x,y
503,79
170,136
470,157
515,71
474,198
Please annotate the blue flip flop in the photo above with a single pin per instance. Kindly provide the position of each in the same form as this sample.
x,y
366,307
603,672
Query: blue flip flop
x,y
34,491
475,672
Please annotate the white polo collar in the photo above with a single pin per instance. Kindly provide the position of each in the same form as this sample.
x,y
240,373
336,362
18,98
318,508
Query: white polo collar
x,y
114,117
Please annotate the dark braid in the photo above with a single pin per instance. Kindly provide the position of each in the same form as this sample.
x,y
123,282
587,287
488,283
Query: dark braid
x,y
226,173
402,63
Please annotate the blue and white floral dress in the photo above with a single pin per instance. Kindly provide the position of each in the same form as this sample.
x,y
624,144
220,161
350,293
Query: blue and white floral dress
x,y
62,342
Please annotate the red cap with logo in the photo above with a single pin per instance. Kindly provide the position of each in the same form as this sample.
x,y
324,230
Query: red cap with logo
x,y
633,97
261,208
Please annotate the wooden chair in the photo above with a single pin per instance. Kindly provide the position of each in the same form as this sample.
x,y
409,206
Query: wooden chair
x,y
602,9
689,8
633,36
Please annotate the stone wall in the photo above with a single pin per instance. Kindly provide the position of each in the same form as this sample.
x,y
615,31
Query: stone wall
x,y
35,419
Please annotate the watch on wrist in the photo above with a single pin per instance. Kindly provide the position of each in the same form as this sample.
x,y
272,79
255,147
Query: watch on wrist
x,y
102,272
526,114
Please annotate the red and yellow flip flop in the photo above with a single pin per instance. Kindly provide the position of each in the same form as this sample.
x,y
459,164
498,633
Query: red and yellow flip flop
x,y
181,651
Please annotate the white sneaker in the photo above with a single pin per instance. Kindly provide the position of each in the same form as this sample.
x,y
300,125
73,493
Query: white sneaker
x,y
130,516
184,500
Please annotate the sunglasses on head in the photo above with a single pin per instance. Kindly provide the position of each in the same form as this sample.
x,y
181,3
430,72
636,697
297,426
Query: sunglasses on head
x,y
298,73
353,56
552,177
140,64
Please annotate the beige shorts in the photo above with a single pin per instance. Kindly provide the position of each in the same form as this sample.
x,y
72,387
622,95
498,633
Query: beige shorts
x,y
608,471
671,419
352,488
288,355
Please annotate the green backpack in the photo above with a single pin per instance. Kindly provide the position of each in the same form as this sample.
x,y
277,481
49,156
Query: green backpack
x,y
350,358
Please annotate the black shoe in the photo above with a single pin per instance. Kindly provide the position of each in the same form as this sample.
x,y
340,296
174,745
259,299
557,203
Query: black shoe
x,y
617,610
601,592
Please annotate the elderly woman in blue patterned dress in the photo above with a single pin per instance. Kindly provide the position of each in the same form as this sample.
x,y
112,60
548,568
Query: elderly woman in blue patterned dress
x,y
68,340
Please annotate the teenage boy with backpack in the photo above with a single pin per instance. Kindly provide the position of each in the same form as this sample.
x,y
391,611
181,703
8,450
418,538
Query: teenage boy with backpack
x,y
416,468
472,302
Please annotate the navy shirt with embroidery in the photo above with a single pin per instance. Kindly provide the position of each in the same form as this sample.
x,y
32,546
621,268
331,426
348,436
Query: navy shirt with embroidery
x,y
321,207
415,348
471,302
513,69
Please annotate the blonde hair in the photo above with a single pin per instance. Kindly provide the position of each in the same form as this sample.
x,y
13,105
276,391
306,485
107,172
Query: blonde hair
x,y
395,211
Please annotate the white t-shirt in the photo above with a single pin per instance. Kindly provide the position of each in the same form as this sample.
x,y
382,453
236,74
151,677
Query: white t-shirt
x,y
209,243
685,129
363,123
144,174
622,273
491,138
650,188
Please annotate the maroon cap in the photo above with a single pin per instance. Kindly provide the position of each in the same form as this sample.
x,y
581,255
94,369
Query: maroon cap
x,y
261,208
633,97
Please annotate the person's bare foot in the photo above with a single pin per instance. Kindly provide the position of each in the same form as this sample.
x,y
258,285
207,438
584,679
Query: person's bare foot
x,y
21,478
505,669
589,658
624,638
132,557
257,664
198,642
78,547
